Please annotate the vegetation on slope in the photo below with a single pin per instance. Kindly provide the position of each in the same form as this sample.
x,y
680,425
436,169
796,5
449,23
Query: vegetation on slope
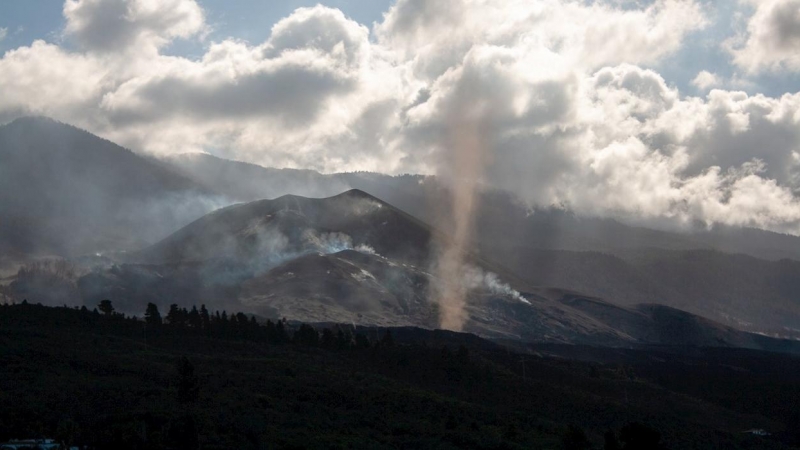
x,y
188,379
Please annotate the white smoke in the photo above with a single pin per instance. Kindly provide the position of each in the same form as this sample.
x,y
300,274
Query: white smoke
x,y
476,278
363,248
333,242
269,241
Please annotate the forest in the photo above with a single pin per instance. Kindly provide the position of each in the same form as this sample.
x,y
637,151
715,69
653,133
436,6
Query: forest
x,y
193,378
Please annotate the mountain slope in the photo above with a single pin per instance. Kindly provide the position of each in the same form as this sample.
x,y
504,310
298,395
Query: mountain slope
x,y
737,290
273,229
247,182
66,191
352,287
353,258
501,218
599,257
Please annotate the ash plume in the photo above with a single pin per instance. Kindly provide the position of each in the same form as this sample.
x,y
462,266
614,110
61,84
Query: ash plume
x,y
468,153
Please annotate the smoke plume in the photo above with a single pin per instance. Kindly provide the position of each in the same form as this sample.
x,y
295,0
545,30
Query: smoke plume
x,y
475,278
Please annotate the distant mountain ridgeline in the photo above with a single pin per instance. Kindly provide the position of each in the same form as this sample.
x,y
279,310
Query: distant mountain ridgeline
x,y
501,218
355,259
67,192
702,271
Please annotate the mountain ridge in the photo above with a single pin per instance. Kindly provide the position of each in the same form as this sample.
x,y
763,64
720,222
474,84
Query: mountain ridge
x,y
342,259
113,211
66,191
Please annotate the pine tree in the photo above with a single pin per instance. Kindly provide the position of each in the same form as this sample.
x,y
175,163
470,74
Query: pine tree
x,y
194,319
151,315
280,333
172,315
205,319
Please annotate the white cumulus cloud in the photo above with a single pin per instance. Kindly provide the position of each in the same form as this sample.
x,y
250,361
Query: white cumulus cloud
x,y
705,80
122,25
772,39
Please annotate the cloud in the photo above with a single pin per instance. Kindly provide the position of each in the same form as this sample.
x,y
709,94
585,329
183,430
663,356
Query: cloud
x,y
771,42
558,35
648,153
123,25
566,97
3,33
44,79
279,103
705,80
312,55
290,89
321,29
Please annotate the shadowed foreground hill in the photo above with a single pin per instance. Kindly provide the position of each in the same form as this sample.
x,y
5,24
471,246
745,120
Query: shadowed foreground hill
x,y
104,381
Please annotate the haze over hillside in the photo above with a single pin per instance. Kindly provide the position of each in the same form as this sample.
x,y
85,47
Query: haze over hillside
x,y
83,195
702,271
501,218
65,191
355,259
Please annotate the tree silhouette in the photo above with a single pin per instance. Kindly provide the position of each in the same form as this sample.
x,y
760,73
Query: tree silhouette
x,y
306,335
193,318
205,319
106,307
151,315
280,333
176,317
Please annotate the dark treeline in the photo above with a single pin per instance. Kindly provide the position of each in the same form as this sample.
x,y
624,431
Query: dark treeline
x,y
190,378
217,324
220,324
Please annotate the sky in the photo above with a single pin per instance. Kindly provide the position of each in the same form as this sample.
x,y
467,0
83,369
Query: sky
x,y
667,111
